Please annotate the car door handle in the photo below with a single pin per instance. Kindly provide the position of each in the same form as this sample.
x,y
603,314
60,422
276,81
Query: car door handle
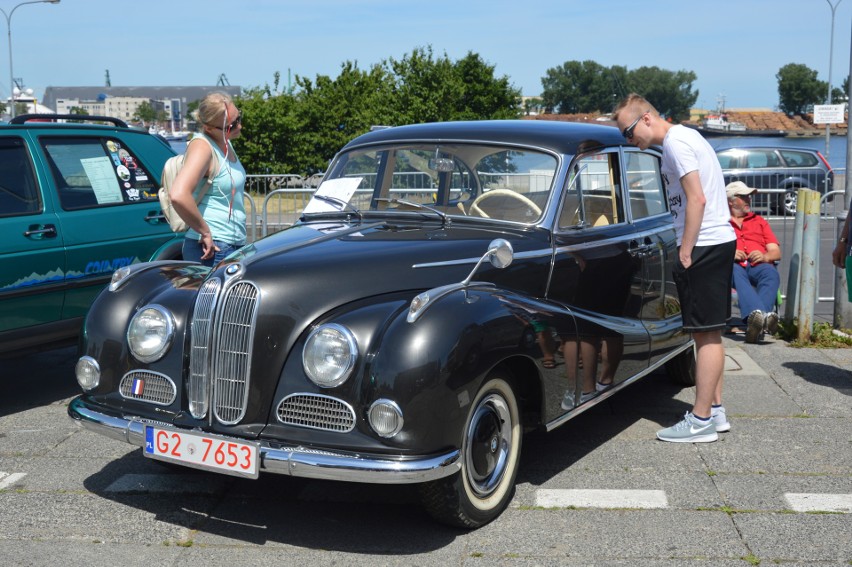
x,y
37,231
640,251
155,216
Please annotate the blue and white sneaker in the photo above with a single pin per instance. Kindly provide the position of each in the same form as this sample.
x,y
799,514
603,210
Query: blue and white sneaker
x,y
689,430
720,420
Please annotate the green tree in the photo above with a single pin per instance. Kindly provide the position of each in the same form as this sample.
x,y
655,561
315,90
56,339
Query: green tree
x,y
330,112
587,86
299,131
578,87
79,111
145,112
669,91
798,88
841,94
429,89
268,128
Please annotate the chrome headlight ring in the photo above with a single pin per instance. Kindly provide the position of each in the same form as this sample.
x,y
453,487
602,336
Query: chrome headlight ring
x,y
150,333
329,355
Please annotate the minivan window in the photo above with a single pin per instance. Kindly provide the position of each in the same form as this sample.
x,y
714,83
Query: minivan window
x,y
799,159
18,189
92,172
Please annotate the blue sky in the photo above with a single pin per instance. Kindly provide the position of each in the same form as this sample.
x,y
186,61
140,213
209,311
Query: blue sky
x,y
735,47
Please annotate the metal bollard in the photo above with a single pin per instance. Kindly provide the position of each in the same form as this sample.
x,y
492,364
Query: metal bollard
x,y
809,203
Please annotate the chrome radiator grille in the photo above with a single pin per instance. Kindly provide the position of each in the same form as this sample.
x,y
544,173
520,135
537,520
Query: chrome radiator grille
x,y
220,354
148,386
316,412
233,334
198,386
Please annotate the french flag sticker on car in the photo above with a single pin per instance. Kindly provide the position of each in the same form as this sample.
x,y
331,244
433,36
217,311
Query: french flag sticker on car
x,y
138,386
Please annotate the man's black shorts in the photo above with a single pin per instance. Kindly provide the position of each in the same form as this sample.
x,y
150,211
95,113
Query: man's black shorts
x,y
704,288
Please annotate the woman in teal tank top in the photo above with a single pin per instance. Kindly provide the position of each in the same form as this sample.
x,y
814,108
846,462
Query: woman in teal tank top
x,y
217,223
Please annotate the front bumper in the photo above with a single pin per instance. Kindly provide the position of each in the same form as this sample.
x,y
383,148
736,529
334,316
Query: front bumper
x,y
294,461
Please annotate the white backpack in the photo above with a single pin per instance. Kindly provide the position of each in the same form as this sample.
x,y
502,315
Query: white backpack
x,y
171,169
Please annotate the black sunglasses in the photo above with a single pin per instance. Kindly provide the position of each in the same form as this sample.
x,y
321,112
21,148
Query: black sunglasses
x,y
628,132
237,121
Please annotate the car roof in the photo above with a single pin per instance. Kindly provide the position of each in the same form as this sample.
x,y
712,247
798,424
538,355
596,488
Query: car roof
x,y
750,147
562,137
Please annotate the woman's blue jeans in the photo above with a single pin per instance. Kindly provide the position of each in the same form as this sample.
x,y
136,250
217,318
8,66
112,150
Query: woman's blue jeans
x,y
192,251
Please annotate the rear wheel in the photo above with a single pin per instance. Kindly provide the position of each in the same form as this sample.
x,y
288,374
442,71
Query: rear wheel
x,y
681,368
790,203
490,453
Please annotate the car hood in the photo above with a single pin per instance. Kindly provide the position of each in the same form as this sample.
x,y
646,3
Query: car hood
x,y
332,264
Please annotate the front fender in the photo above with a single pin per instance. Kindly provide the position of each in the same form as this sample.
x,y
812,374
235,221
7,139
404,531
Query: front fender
x,y
434,366
171,284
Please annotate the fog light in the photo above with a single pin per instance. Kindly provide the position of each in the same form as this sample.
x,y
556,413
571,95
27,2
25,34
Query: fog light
x,y
385,418
88,373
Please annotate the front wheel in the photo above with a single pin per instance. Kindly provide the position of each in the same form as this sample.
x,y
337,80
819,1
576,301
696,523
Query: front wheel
x,y
681,368
491,447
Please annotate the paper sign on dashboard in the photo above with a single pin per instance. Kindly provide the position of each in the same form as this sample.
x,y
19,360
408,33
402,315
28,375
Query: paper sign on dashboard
x,y
341,189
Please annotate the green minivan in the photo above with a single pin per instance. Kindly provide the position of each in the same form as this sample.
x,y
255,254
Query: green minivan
x,y
77,201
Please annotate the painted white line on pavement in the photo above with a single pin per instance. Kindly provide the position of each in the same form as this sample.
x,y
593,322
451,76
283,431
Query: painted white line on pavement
x,y
804,502
8,479
563,498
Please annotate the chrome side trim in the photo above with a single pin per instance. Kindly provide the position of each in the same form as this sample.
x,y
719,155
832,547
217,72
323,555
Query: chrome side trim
x,y
294,461
542,253
606,394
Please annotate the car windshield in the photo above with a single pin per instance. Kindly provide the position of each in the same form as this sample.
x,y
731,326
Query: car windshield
x,y
461,180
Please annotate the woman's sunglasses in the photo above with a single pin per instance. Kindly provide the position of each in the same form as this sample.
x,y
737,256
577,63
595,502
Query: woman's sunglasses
x,y
237,121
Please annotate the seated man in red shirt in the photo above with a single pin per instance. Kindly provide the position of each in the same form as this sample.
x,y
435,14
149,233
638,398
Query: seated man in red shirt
x,y
755,277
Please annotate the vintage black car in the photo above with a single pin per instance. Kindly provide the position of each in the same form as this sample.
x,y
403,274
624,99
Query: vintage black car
x,y
449,286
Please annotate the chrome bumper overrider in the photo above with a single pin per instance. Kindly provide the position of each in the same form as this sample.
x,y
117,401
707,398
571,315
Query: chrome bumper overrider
x,y
293,461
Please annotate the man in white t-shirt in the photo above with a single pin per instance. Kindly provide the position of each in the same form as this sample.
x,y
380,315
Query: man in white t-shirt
x,y
706,243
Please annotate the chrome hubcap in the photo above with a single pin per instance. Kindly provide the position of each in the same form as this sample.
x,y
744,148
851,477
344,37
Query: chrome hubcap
x,y
487,444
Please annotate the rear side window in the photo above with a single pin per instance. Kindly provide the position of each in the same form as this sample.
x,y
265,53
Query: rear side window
x,y
595,198
799,159
644,185
727,160
762,158
18,190
94,172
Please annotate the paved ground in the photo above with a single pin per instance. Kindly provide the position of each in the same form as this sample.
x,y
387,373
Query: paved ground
x,y
777,489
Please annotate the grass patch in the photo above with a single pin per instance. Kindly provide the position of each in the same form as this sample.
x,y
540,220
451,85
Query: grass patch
x,y
751,559
822,336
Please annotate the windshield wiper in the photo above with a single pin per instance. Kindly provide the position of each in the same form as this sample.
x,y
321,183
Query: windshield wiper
x,y
339,203
444,218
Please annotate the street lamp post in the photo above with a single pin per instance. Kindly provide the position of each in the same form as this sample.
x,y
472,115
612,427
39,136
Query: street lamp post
x,y
830,57
9,29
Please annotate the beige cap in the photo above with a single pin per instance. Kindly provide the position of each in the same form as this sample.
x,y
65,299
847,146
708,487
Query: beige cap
x,y
738,188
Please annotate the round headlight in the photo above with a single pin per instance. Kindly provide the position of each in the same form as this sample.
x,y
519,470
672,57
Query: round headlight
x,y
385,418
88,373
150,333
329,355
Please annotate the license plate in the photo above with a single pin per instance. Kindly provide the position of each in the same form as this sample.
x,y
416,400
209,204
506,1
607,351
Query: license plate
x,y
203,451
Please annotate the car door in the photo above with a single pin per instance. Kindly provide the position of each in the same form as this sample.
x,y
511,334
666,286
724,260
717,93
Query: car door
x,y
110,214
655,243
597,273
31,246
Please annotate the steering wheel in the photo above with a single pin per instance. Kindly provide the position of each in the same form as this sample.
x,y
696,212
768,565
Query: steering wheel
x,y
477,210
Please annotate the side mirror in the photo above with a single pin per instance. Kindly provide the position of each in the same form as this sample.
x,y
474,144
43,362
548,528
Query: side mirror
x,y
501,253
